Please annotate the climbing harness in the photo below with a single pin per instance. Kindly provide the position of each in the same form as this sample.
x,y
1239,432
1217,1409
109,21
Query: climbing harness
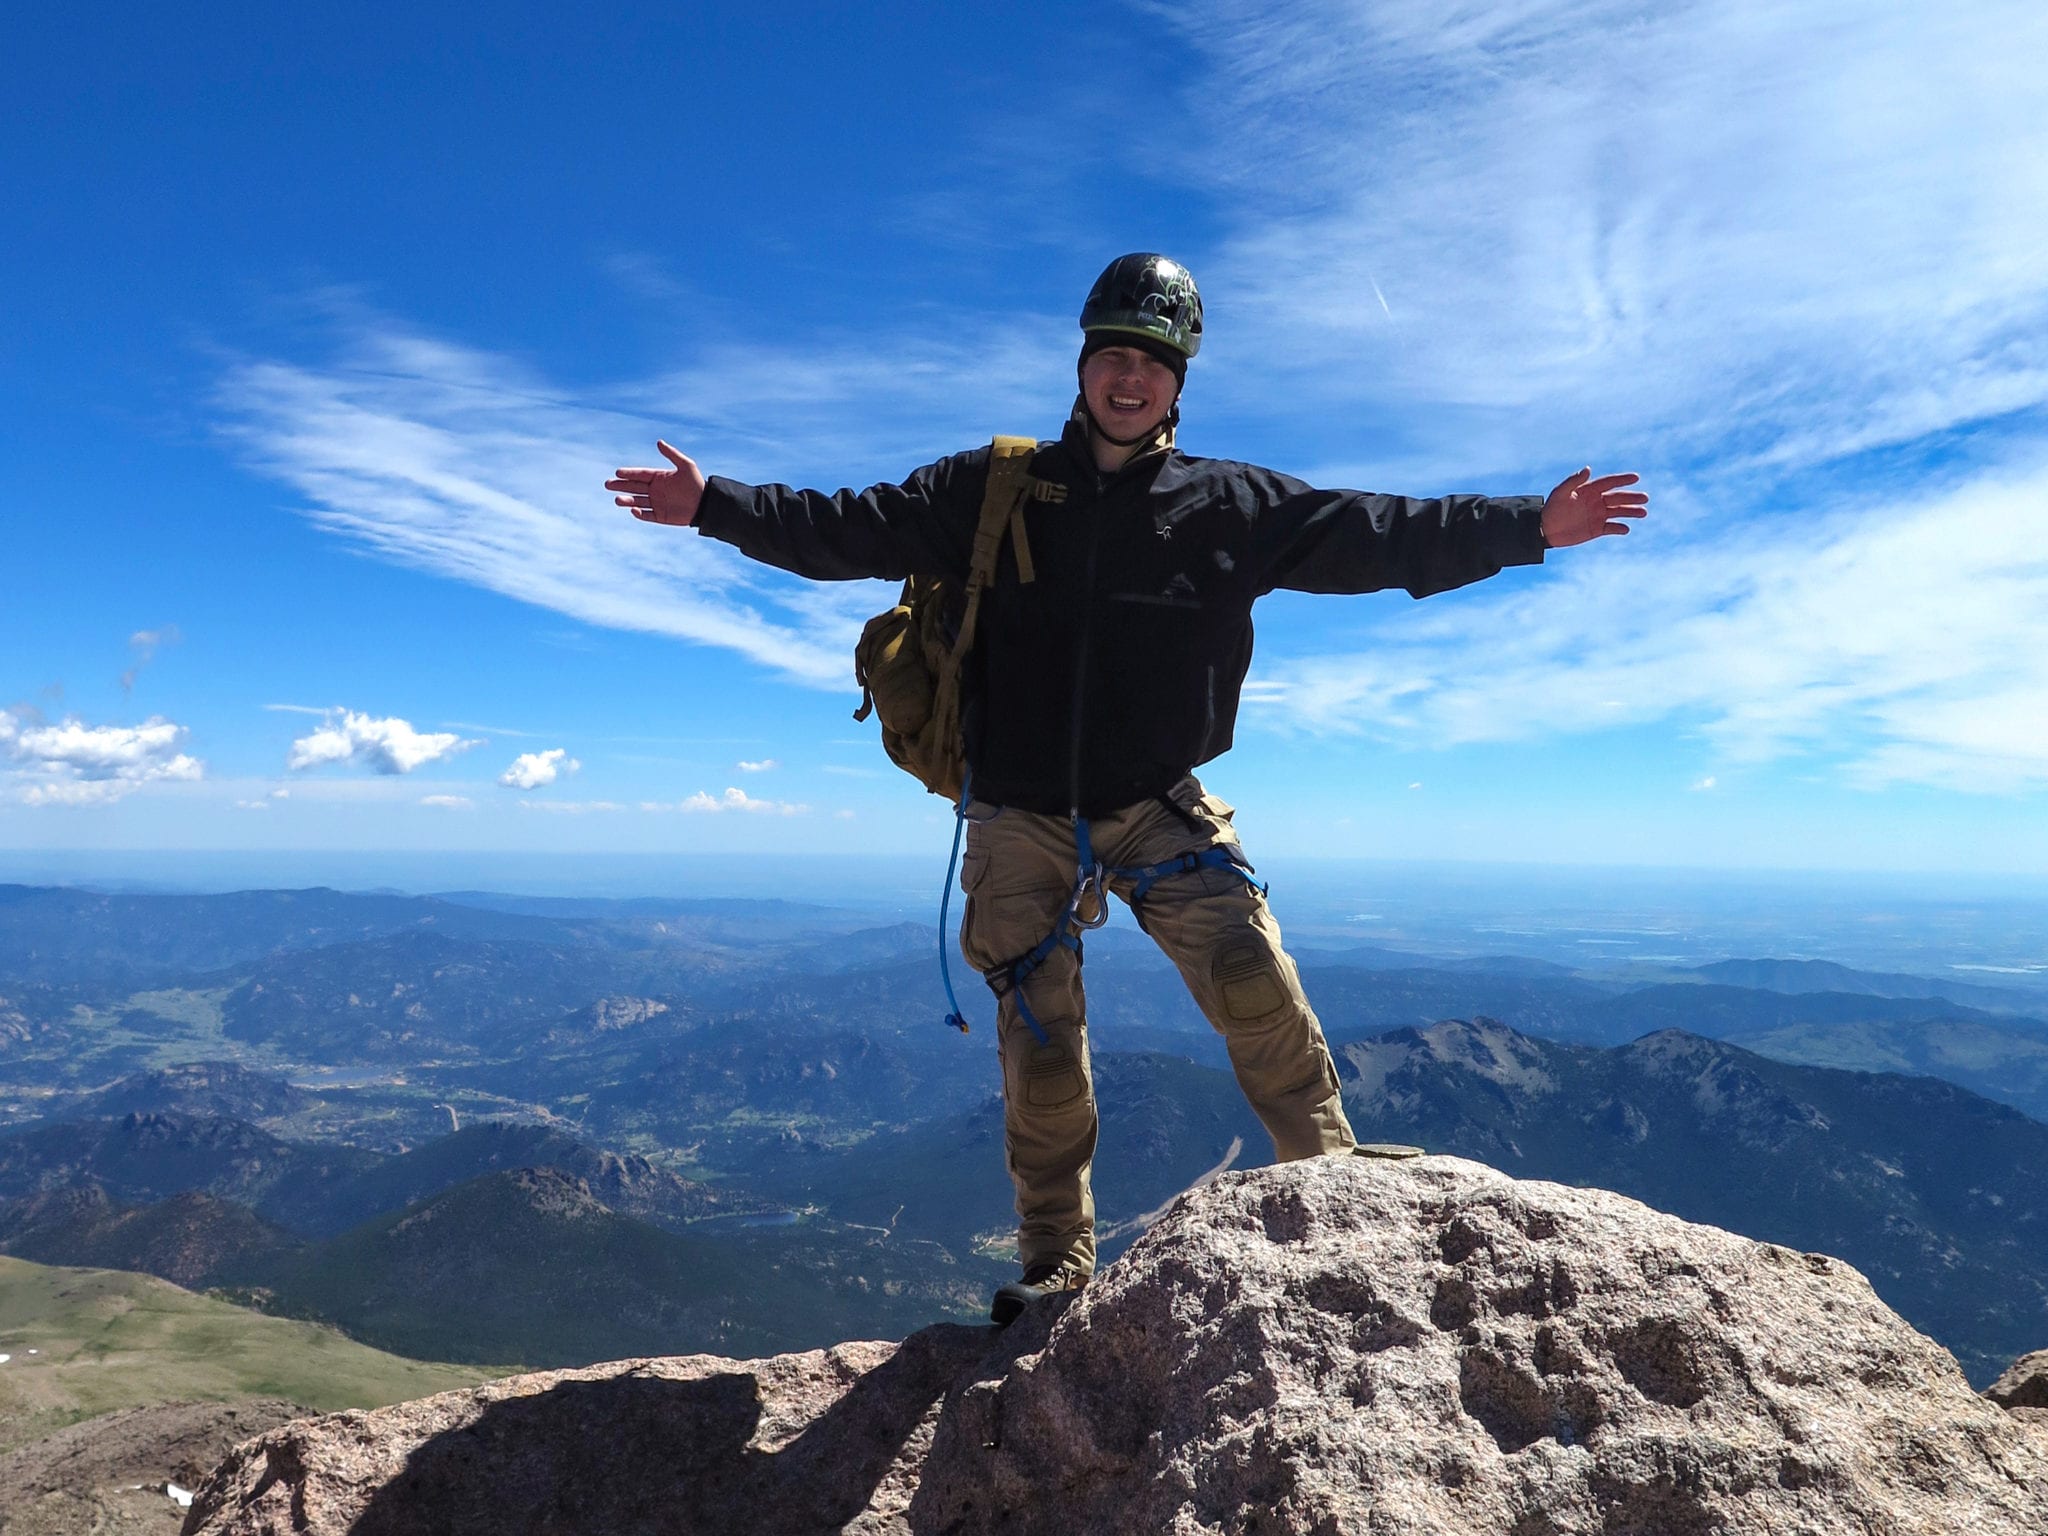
x,y
1087,907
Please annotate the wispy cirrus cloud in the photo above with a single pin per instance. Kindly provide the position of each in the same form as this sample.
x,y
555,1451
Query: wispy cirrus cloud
x,y
72,763
467,464
1519,233
385,745
1769,253
1787,257
1907,641
144,644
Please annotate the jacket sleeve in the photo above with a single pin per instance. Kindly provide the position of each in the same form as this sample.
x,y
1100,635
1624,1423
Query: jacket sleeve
x,y
1353,541
923,527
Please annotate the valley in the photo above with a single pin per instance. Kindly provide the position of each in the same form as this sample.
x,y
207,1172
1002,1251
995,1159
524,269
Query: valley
x,y
499,1130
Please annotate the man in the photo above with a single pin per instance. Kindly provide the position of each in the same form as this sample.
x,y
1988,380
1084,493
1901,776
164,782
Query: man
x,y
1098,684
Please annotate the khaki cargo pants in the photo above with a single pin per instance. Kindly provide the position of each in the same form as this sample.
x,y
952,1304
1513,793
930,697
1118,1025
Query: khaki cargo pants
x,y
1018,872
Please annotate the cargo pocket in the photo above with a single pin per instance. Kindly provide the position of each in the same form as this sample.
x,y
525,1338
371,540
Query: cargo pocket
x,y
973,872
1212,812
973,869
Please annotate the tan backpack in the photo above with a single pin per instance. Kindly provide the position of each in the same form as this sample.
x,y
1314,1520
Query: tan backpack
x,y
908,665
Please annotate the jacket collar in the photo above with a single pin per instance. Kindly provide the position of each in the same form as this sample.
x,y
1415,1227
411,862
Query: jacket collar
x,y
1077,442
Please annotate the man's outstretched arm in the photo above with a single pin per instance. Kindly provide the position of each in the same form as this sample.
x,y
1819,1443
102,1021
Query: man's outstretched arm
x,y
1352,541
923,526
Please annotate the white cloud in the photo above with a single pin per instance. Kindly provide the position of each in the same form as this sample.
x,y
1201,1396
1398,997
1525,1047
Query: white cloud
x,y
1734,244
100,750
1704,784
1909,640
72,763
1738,244
388,745
1733,230
75,792
532,770
732,800
463,463
842,815
145,643
448,802
571,807
763,766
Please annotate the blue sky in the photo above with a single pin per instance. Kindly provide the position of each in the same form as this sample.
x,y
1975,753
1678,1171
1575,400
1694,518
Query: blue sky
x,y
324,326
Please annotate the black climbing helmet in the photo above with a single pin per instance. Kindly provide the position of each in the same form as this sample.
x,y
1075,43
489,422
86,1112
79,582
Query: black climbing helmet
x,y
1148,298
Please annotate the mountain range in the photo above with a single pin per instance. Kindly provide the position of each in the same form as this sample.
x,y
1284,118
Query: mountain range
x,y
429,1118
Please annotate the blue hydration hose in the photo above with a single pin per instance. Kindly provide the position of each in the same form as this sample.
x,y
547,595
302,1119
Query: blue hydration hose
x,y
956,1018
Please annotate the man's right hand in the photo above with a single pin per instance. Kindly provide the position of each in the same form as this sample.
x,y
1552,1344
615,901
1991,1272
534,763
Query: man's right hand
x,y
661,495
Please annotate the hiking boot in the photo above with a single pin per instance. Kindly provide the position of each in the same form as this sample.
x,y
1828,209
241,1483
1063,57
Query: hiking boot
x,y
1040,1281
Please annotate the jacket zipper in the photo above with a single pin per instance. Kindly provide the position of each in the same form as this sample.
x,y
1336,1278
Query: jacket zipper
x,y
1081,666
1103,483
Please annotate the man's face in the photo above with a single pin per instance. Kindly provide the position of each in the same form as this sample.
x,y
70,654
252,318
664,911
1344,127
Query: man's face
x,y
1128,390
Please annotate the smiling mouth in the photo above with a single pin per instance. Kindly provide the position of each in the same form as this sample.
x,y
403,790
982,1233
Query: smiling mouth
x,y
1126,403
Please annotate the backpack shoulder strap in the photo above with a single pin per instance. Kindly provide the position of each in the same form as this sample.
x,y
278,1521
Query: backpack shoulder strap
x,y
1002,509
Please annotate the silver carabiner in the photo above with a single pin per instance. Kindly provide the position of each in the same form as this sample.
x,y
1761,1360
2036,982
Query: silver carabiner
x,y
1089,881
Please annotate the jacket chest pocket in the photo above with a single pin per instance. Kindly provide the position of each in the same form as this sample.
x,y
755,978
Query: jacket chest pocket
x,y
1187,601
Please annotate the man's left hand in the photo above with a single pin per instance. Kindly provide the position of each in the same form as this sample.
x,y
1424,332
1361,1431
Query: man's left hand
x,y
1582,508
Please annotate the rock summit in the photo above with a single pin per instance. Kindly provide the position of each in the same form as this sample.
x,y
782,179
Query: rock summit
x,y
1377,1348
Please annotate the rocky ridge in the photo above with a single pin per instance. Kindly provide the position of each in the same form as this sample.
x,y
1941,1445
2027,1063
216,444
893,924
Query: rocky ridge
x,y
1390,1349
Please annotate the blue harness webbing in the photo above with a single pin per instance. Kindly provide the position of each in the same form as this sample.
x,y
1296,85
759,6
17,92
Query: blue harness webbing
x,y
1091,876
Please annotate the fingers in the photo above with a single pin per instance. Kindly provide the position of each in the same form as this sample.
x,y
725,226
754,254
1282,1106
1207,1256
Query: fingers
x,y
680,460
1607,483
1571,484
626,479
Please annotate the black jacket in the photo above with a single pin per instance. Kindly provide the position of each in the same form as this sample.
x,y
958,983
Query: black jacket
x,y
1117,671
